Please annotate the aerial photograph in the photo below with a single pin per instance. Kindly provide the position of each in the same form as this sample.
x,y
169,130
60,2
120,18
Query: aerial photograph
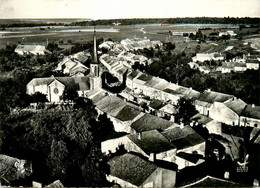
x,y
130,93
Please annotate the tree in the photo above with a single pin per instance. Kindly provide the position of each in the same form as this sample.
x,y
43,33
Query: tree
x,y
70,93
38,97
186,110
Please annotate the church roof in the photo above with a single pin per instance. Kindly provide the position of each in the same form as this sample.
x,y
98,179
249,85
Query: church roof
x,y
80,83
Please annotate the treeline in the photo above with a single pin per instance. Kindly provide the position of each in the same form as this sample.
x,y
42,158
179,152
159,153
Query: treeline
x,y
194,20
200,20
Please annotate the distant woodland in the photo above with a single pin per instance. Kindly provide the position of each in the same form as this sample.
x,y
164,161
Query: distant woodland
x,y
197,20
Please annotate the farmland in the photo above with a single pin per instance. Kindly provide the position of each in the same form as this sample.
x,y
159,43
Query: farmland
x,y
82,34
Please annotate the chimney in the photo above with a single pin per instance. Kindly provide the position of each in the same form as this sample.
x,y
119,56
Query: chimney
x,y
172,119
181,125
152,157
226,175
256,183
139,136
253,105
209,90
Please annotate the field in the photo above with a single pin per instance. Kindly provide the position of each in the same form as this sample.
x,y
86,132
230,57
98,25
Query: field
x,y
82,34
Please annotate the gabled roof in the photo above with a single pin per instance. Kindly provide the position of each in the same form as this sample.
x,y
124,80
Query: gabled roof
x,y
149,122
30,48
168,108
111,105
183,137
192,94
201,119
156,104
144,77
131,168
213,96
236,105
127,113
251,112
151,142
133,74
194,158
80,83
210,181
253,61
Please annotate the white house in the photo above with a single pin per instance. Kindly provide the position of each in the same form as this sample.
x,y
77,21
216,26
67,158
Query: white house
x,y
23,49
53,87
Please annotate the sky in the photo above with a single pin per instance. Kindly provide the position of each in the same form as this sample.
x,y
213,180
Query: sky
x,y
110,9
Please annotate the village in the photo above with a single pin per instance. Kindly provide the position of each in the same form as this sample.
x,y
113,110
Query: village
x,y
169,131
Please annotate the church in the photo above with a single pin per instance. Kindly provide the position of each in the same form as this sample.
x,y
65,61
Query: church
x,y
53,87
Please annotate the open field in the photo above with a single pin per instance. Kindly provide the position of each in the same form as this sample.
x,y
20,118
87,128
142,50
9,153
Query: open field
x,y
81,34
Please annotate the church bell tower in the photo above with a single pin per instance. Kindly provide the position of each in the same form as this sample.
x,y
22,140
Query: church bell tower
x,y
96,81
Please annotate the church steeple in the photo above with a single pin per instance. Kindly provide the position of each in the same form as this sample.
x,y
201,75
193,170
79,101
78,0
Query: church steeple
x,y
94,57
95,79
94,66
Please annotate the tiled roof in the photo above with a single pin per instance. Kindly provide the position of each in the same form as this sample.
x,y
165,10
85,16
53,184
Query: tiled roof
x,y
156,104
149,122
30,48
169,108
183,137
127,113
236,105
9,171
131,168
254,61
80,83
252,112
111,105
201,119
213,96
151,142
209,181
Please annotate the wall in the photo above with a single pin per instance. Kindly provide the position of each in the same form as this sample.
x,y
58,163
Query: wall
x,y
162,178
220,112
246,121
121,182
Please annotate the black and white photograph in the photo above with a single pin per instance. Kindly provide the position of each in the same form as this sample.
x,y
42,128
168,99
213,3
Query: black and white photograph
x,y
130,93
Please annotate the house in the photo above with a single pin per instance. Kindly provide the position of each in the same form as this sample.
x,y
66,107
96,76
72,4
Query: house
x,y
125,117
250,116
252,64
71,66
130,170
213,126
150,122
150,144
12,169
208,181
107,45
23,49
53,87
186,140
168,111
228,112
207,98
208,57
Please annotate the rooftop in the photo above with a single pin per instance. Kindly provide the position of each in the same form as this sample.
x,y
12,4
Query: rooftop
x,y
252,111
201,119
236,105
213,96
151,142
149,122
209,181
183,137
131,168
80,83
127,113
